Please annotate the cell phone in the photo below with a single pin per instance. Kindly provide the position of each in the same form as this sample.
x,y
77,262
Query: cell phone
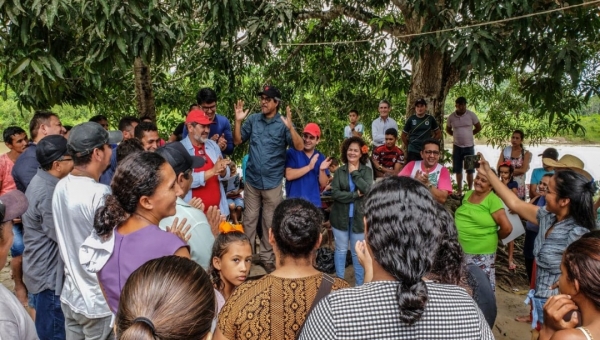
x,y
471,162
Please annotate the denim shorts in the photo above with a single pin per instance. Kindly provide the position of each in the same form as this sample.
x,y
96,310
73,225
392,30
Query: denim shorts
x,y
458,157
18,247
239,202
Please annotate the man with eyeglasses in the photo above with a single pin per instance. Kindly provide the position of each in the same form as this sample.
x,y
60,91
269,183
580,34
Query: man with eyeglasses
x,y
307,171
430,172
74,203
43,268
220,129
270,134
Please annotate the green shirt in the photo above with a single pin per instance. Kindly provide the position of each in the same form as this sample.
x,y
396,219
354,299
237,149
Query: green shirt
x,y
419,130
477,230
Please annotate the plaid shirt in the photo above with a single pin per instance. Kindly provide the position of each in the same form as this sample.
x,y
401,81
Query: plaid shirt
x,y
548,250
371,312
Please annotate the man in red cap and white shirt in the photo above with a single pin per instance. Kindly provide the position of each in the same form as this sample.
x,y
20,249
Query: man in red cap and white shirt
x,y
307,171
206,183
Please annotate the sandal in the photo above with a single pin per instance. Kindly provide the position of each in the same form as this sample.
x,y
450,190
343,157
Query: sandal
x,y
523,318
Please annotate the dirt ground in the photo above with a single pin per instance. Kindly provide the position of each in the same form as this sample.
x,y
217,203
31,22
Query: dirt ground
x,y
510,304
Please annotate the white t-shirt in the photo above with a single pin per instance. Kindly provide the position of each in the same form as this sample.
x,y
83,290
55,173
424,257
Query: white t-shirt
x,y
74,204
15,323
348,131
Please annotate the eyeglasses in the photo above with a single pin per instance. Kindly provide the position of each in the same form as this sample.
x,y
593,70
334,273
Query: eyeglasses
x,y
208,108
265,99
431,152
309,137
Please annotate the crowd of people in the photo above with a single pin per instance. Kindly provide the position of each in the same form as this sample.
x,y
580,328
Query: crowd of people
x,y
120,234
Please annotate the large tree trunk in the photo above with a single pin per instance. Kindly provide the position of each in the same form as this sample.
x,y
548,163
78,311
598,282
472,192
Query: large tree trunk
x,y
144,96
432,78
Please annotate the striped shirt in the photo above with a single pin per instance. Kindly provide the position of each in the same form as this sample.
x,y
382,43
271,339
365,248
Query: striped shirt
x,y
371,311
548,250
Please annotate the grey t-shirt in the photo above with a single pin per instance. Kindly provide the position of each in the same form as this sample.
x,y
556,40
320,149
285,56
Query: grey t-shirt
x,y
14,321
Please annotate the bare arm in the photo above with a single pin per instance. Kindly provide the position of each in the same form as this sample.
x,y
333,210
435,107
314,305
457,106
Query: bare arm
x,y
323,179
439,195
292,174
449,129
477,128
525,210
404,137
437,134
502,221
240,115
526,162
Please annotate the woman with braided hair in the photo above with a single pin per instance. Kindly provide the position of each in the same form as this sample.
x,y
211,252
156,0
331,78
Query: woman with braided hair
x,y
402,235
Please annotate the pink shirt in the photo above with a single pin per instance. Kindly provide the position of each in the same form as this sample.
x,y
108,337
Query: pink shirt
x,y
441,181
7,183
462,128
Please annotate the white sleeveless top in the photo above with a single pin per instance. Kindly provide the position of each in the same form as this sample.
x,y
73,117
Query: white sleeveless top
x,y
585,332
434,175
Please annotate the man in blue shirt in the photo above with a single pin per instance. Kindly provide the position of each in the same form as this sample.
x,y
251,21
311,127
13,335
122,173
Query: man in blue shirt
x,y
307,171
270,134
220,129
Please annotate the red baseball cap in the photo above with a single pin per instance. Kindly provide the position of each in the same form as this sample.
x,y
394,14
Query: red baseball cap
x,y
312,129
198,116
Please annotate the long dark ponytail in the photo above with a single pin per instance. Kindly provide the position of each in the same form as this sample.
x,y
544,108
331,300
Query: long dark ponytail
x,y
403,233
580,192
138,175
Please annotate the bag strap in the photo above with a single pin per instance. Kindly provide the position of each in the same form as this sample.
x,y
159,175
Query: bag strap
x,y
324,289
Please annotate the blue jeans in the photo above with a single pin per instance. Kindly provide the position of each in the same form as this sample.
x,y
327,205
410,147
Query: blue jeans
x,y
342,239
49,318
17,247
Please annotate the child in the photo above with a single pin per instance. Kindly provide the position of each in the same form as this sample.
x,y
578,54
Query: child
x,y
354,129
505,173
233,188
230,264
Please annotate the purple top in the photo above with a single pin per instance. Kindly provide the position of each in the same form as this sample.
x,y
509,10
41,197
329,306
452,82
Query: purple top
x,y
131,252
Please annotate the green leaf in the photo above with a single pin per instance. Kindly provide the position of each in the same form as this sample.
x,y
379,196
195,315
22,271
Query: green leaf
x,y
21,65
34,65
121,45
58,69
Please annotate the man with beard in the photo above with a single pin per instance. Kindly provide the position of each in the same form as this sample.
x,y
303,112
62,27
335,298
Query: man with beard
x,y
429,172
270,134
206,183
307,171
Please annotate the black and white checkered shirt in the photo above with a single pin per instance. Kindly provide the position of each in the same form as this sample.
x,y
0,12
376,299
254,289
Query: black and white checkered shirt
x,y
371,312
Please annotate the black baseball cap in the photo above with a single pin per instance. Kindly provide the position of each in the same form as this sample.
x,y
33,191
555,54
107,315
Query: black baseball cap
x,y
50,148
271,92
12,205
421,102
179,158
86,137
550,153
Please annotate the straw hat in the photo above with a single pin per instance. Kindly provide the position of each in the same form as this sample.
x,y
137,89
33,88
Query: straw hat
x,y
568,162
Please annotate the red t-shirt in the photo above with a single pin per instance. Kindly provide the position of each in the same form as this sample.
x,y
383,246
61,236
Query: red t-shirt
x,y
210,193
